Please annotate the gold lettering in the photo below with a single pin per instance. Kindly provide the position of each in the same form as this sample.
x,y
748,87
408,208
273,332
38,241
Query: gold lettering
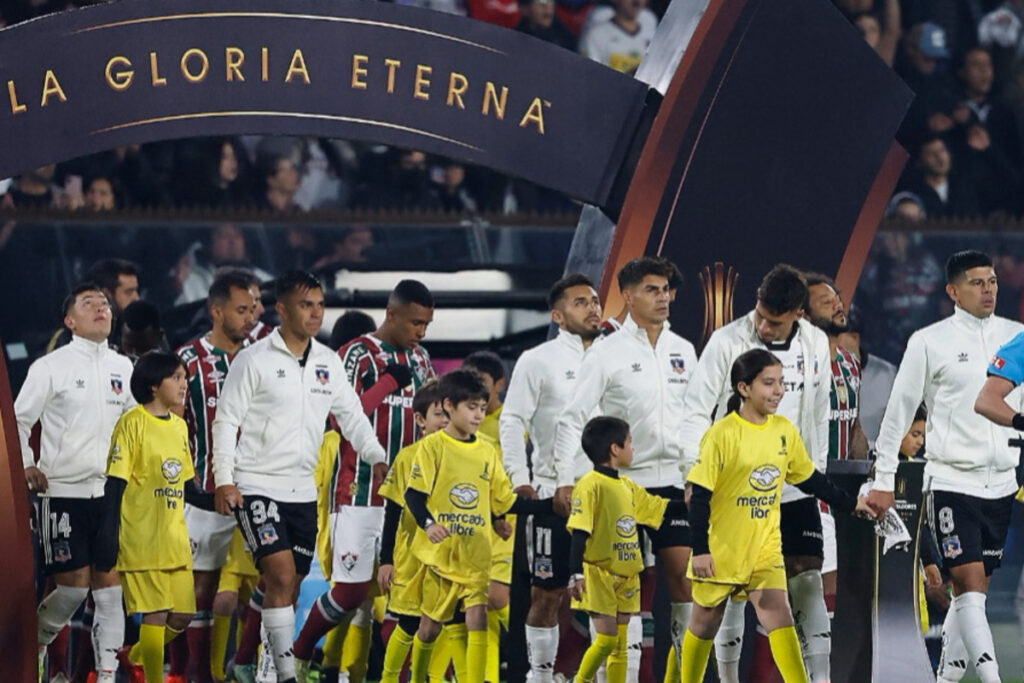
x,y
392,64
203,61
233,60
12,94
119,80
264,64
359,71
455,92
51,87
491,95
422,71
154,73
535,114
298,66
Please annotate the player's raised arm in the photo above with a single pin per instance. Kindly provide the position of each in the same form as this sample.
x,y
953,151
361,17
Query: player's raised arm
x,y
355,426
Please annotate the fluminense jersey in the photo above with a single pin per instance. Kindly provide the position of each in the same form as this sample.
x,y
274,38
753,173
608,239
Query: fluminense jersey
x,y
609,508
843,404
364,359
206,366
465,484
393,489
152,455
744,466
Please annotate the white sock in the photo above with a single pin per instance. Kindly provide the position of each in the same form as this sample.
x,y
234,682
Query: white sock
x,y
812,623
977,636
107,627
56,611
680,619
542,648
953,661
280,625
635,645
729,641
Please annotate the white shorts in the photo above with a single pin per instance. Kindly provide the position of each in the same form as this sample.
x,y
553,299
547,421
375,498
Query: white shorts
x,y
355,542
209,534
828,535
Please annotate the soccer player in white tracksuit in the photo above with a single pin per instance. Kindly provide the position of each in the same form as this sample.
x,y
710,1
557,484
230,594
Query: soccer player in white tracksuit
x,y
77,393
970,471
775,324
542,384
641,374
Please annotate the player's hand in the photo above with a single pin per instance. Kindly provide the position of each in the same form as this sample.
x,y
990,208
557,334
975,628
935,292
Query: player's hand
x,y
932,576
36,480
864,509
226,499
703,566
527,492
437,532
503,529
576,587
562,502
385,575
379,472
880,501
401,373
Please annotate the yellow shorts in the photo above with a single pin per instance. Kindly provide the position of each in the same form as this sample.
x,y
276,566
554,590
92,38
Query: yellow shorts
x,y
159,590
238,571
607,593
406,593
769,575
441,596
501,554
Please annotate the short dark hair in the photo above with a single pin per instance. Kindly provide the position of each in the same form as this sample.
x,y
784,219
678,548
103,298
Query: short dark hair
x,y
427,395
557,291
72,297
150,370
220,288
783,289
634,272
928,139
813,280
920,415
461,385
349,326
486,362
676,279
107,272
412,292
295,280
599,435
962,261
141,315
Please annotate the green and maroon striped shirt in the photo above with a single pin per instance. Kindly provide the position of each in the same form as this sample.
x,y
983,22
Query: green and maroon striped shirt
x,y
843,404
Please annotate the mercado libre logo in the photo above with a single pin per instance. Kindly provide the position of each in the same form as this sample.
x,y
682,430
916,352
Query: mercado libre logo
x,y
464,496
625,526
171,469
763,478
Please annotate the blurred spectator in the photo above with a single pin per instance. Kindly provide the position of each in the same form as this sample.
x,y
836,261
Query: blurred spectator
x,y
325,179
538,20
943,192
407,187
348,326
882,32
280,179
451,183
923,64
906,205
348,248
1000,30
197,267
300,251
500,12
621,41
142,331
214,173
32,190
100,194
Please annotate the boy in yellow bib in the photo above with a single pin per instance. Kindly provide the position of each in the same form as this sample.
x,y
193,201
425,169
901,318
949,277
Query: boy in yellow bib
x,y
147,468
605,559
734,515
456,484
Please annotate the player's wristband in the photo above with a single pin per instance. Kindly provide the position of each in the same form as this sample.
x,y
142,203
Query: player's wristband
x,y
575,578
427,522
1018,422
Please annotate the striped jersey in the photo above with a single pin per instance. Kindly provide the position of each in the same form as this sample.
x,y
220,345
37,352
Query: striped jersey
x,y
364,359
843,403
206,366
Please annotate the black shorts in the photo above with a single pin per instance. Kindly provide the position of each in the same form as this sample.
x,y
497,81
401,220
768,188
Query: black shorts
x,y
800,524
269,526
547,547
68,530
970,529
675,528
